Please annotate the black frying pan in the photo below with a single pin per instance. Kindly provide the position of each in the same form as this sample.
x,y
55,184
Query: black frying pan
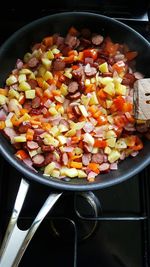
x,y
20,42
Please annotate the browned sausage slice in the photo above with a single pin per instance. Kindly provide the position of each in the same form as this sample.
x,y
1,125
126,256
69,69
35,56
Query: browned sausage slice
x,y
33,62
32,145
58,65
97,39
38,160
73,87
36,102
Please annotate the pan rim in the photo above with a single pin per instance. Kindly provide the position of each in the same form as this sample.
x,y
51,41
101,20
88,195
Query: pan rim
x,y
36,176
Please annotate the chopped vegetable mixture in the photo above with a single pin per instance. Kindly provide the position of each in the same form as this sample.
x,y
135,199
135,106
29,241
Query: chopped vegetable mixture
x,y
67,107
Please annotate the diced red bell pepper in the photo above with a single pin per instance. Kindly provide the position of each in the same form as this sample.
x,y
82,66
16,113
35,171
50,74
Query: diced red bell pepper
x,y
119,66
90,53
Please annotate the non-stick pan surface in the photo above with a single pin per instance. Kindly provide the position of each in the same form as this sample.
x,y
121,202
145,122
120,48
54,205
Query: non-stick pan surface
x,y
20,42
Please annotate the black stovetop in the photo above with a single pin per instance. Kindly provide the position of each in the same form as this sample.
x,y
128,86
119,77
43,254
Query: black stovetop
x,y
107,228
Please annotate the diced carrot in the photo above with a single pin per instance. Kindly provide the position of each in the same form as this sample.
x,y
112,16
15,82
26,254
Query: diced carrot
x,y
2,125
21,154
3,91
102,119
73,52
101,94
15,121
62,78
100,143
35,122
48,94
81,145
97,114
48,41
46,126
40,81
58,55
59,105
75,164
74,67
58,84
81,56
29,134
93,109
75,139
23,111
69,59
56,92
39,91
90,88
94,167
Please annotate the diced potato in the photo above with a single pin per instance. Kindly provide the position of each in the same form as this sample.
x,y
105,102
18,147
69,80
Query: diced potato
x,y
54,131
113,156
107,150
109,89
62,139
49,54
32,76
8,123
63,171
77,126
46,62
27,56
55,51
62,128
120,89
24,86
26,117
64,89
25,71
83,110
55,173
110,119
95,150
88,138
47,75
121,144
85,100
103,67
22,78
3,99
53,111
68,74
81,174
30,94
42,71
109,103
32,153
87,82
11,80
93,80
78,150
111,142
72,172
56,154
13,94
105,80
70,133
20,138
50,140
110,134
60,99
93,99
49,168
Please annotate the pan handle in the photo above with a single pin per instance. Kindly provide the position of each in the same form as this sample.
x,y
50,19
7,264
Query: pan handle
x,y
16,241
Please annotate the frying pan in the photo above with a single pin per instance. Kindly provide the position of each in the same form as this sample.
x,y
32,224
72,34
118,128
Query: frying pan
x,y
16,241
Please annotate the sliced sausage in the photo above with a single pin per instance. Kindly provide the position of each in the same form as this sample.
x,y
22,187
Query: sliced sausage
x,y
33,62
48,158
104,167
71,40
86,159
28,105
38,139
97,158
75,96
36,102
24,126
32,145
49,148
3,115
10,133
19,64
73,87
58,65
38,160
97,39
33,83
90,71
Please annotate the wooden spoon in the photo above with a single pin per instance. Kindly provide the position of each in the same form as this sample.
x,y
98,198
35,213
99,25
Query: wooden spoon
x,y
141,98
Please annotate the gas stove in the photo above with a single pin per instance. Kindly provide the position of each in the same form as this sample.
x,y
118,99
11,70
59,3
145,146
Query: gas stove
x,y
108,227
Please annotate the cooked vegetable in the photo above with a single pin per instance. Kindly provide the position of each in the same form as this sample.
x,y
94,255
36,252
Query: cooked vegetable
x,y
67,106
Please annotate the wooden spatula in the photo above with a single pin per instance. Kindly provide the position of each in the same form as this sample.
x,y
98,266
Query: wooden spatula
x,y
141,98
